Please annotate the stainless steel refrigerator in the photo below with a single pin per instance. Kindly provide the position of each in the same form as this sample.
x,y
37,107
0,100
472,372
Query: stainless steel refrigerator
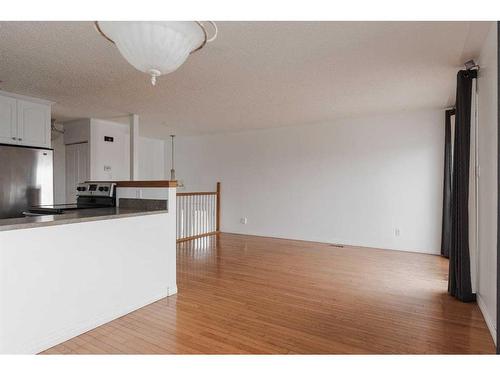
x,y
26,179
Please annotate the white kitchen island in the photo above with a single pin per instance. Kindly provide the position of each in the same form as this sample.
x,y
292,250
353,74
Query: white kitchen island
x,y
63,275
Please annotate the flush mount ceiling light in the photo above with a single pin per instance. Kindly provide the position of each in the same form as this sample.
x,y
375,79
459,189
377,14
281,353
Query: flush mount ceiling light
x,y
156,47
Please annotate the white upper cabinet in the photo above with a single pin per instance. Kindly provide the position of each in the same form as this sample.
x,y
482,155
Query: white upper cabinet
x,y
23,121
8,120
33,121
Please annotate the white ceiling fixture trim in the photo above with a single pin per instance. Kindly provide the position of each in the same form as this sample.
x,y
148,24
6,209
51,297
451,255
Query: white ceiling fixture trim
x,y
156,47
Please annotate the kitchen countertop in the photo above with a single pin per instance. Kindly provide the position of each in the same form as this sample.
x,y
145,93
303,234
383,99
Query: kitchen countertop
x,y
77,216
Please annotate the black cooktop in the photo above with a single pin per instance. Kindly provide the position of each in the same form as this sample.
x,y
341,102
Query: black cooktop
x,y
57,209
82,202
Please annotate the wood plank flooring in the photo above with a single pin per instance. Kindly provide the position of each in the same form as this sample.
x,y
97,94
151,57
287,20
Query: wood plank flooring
x,y
247,294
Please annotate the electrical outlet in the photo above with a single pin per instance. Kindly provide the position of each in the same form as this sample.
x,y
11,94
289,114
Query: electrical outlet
x,y
397,232
107,168
243,220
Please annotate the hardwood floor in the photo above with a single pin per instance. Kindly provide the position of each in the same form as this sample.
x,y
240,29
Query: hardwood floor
x,y
245,294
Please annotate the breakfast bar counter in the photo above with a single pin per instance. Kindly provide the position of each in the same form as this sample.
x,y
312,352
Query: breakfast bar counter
x,y
80,216
62,275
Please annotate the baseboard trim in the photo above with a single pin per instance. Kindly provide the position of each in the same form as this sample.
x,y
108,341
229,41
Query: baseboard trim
x,y
172,290
487,318
87,325
342,243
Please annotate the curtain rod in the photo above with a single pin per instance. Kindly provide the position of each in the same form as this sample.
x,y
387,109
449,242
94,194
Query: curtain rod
x,y
471,65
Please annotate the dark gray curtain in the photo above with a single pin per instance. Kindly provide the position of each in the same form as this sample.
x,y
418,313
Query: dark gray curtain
x,y
448,167
459,281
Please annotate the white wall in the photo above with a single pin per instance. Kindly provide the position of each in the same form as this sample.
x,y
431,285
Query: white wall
x,y
352,181
152,159
488,153
115,156
77,131
109,160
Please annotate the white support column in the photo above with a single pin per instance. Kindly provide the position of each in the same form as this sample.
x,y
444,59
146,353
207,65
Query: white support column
x,y
134,146
166,159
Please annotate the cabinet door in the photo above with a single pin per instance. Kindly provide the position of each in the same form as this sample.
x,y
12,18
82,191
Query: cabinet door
x,y
33,124
8,120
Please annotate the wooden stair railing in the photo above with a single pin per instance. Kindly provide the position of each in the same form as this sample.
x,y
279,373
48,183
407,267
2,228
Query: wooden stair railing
x,y
198,214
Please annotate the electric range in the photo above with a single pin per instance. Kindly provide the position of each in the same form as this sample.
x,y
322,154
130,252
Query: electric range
x,y
88,195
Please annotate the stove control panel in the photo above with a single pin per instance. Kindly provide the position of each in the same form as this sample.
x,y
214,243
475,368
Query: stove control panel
x,y
100,189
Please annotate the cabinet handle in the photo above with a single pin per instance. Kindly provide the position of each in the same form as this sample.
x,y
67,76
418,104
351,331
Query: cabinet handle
x,y
14,138
19,139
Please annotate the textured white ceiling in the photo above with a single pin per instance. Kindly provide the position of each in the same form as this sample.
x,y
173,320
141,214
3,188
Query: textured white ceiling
x,y
255,75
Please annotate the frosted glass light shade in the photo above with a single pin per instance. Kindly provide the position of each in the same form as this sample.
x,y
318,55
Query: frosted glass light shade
x,y
155,47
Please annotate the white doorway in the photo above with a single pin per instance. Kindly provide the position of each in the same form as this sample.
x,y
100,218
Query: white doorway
x,y
77,168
